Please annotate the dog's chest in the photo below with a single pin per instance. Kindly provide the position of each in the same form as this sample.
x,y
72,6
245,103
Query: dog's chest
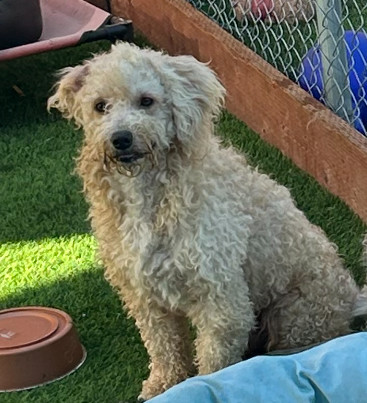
x,y
160,254
170,274
179,243
179,256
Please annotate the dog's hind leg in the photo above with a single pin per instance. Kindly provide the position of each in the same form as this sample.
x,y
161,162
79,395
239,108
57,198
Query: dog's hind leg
x,y
299,320
223,323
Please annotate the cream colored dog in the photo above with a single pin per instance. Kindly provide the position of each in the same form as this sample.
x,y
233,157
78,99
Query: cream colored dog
x,y
186,229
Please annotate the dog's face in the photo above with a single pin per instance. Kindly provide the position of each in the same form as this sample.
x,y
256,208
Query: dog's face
x,y
134,104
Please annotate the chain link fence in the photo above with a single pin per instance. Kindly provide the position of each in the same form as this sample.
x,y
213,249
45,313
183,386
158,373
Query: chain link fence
x,y
319,44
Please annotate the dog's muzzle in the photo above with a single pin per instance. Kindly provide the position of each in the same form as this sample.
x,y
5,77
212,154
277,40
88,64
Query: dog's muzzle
x,y
122,143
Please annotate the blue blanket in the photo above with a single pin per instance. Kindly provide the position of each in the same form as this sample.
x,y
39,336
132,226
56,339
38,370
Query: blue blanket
x,y
334,372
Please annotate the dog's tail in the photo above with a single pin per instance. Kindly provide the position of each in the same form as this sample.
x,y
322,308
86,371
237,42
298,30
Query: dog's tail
x,y
360,305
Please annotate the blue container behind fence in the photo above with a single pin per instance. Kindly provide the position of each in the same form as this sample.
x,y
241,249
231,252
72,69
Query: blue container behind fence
x,y
311,75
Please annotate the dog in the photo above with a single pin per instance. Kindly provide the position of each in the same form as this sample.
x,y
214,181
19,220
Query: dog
x,y
189,233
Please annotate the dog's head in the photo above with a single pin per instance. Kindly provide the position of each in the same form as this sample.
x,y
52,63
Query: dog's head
x,y
135,104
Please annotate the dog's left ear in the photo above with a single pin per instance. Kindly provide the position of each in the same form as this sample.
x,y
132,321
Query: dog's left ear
x,y
70,82
197,95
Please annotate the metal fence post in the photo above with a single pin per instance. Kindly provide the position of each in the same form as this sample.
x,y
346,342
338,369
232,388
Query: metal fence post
x,y
334,58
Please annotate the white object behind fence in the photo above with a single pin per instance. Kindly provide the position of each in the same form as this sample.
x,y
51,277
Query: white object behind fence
x,y
320,44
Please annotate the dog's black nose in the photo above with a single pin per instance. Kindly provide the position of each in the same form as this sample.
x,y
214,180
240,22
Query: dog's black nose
x,y
122,139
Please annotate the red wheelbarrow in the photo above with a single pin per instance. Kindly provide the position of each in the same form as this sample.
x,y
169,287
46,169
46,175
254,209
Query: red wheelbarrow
x,y
35,26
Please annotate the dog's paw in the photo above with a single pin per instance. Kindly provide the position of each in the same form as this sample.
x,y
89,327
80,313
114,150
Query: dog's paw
x,y
148,394
151,388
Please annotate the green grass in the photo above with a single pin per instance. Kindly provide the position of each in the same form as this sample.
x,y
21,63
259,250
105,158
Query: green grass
x,y
47,254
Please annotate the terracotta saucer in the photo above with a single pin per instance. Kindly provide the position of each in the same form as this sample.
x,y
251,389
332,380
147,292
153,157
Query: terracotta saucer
x,y
37,345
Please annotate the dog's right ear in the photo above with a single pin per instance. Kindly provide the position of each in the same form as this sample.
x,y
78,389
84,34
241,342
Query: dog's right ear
x,y
70,82
197,95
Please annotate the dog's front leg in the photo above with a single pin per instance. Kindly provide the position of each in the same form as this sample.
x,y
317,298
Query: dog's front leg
x,y
166,338
223,323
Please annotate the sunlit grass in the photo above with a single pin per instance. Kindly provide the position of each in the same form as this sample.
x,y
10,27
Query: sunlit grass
x,y
31,264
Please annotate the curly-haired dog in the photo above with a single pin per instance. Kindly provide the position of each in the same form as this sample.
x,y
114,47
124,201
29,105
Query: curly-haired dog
x,y
186,229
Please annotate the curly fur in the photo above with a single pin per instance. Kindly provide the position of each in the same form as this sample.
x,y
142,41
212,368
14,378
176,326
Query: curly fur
x,y
190,230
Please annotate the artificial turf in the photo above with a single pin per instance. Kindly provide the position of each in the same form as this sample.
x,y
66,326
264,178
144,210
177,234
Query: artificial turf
x,y
47,253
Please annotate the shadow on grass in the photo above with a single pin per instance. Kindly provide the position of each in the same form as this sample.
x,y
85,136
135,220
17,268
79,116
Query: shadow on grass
x,y
39,197
25,83
116,363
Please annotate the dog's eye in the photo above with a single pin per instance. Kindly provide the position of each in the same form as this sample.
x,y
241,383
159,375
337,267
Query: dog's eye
x,y
100,107
146,101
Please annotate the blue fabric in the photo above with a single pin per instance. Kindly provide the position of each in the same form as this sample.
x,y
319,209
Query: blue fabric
x,y
334,372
